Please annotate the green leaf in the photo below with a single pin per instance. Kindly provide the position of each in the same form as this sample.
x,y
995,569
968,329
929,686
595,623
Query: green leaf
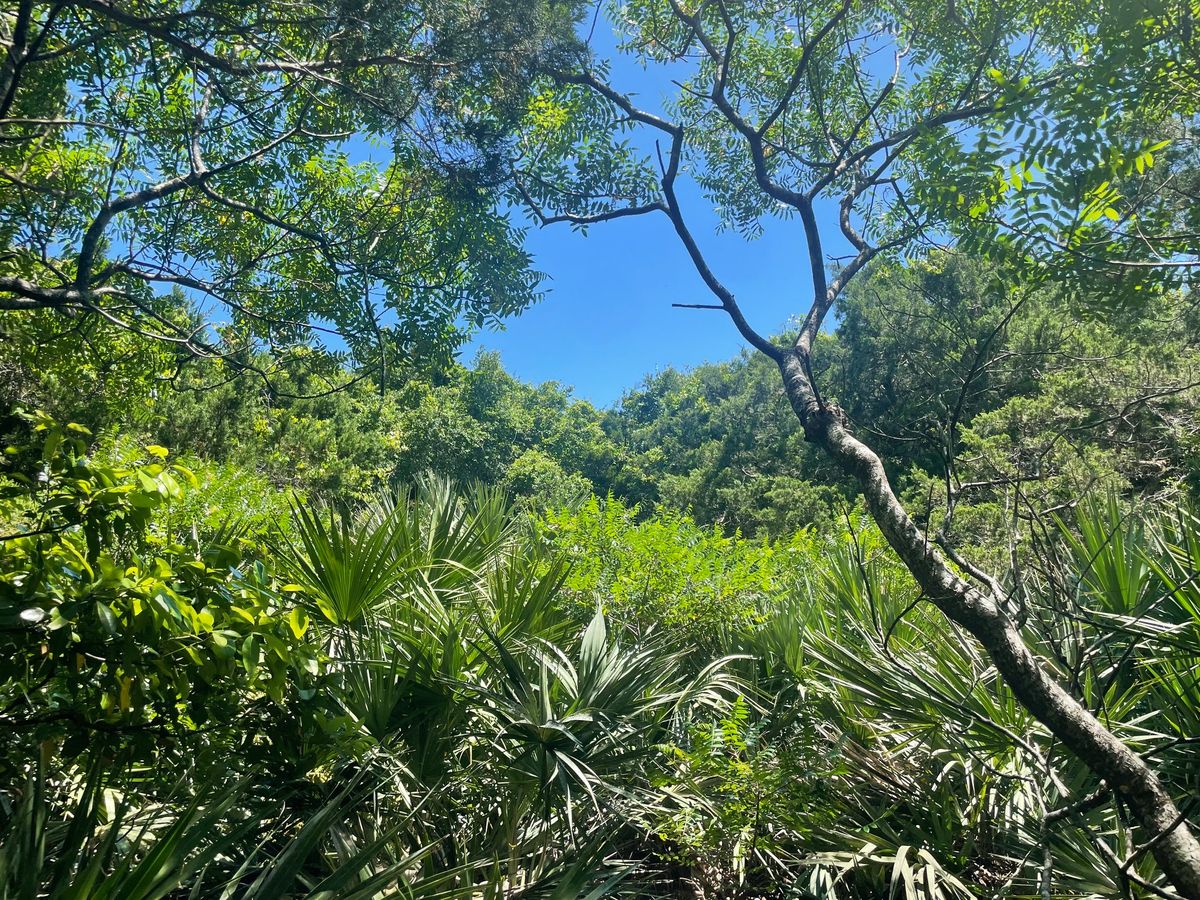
x,y
298,622
107,617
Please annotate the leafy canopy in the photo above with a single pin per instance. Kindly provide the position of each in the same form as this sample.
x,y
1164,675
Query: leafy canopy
x,y
224,178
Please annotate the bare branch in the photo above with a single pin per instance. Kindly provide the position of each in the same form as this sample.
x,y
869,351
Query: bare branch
x,y
801,69
155,28
545,218
91,238
587,79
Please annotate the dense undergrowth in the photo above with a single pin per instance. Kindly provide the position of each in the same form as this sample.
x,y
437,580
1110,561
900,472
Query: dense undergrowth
x,y
438,693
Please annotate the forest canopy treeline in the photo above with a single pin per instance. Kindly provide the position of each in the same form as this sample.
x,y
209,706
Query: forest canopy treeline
x,y
956,371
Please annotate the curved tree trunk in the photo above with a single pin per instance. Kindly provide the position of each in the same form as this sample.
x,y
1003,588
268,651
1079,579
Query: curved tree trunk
x,y
1170,838
1174,846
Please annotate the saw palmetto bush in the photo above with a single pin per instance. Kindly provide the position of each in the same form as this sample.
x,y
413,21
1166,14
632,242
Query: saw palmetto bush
x,y
441,727
518,734
908,768
419,698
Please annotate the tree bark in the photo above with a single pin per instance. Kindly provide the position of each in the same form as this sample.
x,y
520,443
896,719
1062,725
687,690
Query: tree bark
x,y
1174,847
1167,834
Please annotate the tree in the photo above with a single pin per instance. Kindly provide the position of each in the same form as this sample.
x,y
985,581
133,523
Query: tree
x,y
721,443
225,178
1096,189
786,110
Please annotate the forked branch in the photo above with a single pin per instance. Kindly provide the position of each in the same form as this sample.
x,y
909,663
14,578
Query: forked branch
x,y
980,611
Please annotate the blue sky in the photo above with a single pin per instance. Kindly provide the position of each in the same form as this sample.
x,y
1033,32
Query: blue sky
x,y
607,319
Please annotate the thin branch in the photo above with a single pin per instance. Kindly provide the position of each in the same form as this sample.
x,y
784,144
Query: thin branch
x,y
155,28
802,66
91,238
